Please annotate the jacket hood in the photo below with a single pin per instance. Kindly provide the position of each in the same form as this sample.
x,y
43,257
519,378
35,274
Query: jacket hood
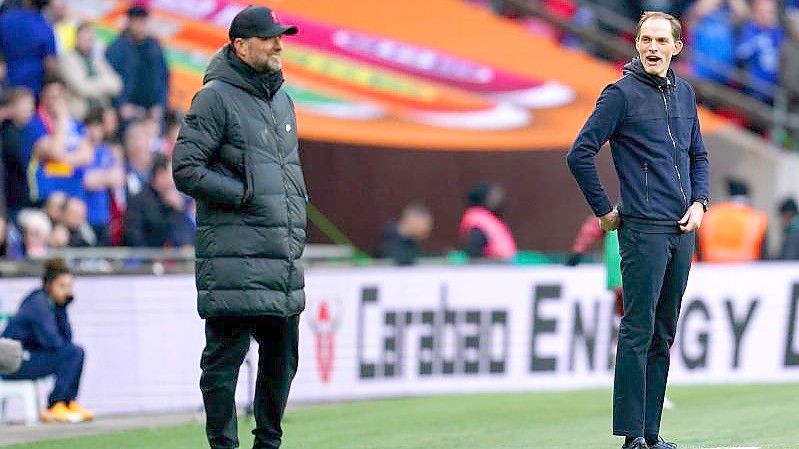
x,y
226,66
636,69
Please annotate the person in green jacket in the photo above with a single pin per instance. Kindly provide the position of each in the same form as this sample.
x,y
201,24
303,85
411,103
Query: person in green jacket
x,y
237,156
590,233
789,215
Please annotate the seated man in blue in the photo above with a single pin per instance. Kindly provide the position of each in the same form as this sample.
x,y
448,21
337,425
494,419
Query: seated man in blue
x,y
42,326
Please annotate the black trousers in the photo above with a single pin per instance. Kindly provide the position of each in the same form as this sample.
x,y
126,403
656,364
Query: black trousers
x,y
227,341
655,270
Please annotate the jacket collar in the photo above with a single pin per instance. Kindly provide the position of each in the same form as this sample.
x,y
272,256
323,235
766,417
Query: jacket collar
x,y
636,69
226,66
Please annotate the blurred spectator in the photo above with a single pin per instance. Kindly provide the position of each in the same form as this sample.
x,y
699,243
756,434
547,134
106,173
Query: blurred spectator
x,y
118,195
76,222
101,178
137,57
13,247
789,216
789,69
173,121
59,148
759,44
4,112
111,126
4,229
152,127
15,156
712,25
35,228
506,9
54,207
482,229
59,238
156,216
673,7
8,5
139,154
119,201
42,326
4,233
63,26
733,231
27,44
401,239
90,80
628,9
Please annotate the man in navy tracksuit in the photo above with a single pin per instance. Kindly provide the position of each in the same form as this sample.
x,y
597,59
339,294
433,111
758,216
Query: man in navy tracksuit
x,y
42,326
649,116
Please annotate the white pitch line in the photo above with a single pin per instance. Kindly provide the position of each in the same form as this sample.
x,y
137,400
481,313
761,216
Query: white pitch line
x,y
730,447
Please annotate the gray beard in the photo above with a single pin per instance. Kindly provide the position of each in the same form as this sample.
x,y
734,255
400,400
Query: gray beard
x,y
267,69
274,67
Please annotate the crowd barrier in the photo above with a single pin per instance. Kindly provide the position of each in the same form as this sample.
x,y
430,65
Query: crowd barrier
x,y
382,332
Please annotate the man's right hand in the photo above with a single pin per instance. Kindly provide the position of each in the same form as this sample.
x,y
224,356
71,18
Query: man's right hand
x,y
610,221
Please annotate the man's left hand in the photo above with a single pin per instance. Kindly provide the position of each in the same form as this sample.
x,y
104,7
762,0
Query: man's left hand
x,y
692,219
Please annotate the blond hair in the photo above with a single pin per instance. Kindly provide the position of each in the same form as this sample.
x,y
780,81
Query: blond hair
x,y
676,28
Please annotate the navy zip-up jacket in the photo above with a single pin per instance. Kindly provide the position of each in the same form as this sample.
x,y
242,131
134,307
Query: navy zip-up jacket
x,y
657,148
39,324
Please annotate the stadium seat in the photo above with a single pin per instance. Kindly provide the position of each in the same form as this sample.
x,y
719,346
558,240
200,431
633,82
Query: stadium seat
x,y
25,390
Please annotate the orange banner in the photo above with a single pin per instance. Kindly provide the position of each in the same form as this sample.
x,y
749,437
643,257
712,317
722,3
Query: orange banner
x,y
423,74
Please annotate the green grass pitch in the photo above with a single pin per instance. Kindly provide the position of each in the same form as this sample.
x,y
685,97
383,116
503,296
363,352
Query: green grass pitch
x,y
765,416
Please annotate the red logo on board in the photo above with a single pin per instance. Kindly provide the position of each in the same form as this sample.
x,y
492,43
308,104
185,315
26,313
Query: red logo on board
x,y
324,323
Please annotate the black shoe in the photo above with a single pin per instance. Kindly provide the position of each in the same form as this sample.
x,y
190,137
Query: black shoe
x,y
638,443
660,443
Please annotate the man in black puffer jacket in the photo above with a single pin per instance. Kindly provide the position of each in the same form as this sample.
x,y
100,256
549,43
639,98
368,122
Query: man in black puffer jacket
x,y
237,156
649,116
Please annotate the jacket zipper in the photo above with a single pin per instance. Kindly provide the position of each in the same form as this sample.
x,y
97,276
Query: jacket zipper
x,y
646,181
283,175
674,145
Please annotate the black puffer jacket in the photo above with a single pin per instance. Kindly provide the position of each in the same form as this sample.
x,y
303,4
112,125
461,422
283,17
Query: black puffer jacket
x,y
237,156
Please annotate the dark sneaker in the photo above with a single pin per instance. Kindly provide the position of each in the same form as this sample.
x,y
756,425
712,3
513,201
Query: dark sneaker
x,y
661,444
638,443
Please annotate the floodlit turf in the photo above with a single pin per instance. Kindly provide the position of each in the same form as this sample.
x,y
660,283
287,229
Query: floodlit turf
x,y
705,417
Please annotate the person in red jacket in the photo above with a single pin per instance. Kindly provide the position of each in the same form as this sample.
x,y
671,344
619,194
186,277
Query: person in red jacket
x,y
482,229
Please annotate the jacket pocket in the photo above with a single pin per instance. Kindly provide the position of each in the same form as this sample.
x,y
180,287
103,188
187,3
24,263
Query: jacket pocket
x,y
248,183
